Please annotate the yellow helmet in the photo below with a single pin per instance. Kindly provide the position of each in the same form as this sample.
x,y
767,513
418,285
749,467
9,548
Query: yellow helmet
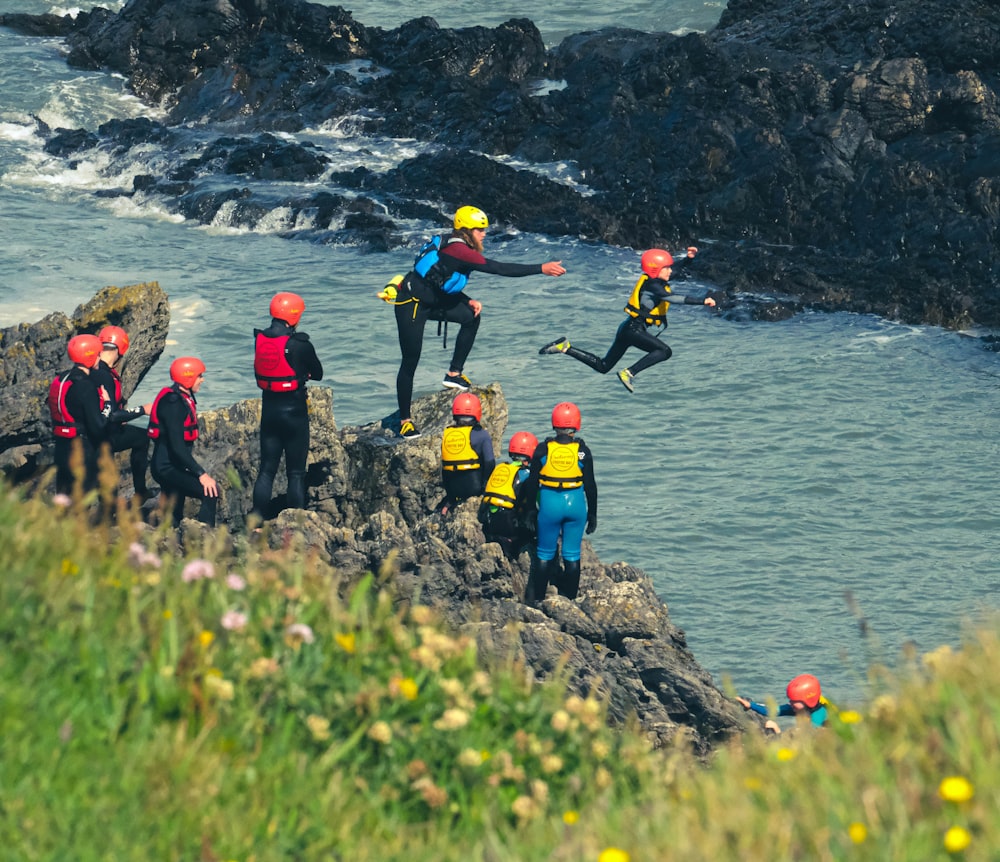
x,y
471,217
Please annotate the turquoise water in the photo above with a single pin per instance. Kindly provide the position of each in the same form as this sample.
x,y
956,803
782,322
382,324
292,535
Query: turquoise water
x,y
762,476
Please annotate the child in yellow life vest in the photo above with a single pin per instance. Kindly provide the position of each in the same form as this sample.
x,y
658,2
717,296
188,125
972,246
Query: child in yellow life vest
x,y
467,457
502,522
646,314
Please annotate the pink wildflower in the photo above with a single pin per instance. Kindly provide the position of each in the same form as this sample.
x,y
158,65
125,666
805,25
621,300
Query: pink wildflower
x,y
235,582
196,570
302,631
234,621
139,556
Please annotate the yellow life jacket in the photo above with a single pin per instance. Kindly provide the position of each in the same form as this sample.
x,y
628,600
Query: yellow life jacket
x,y
500,486
456,450
654,317
561,469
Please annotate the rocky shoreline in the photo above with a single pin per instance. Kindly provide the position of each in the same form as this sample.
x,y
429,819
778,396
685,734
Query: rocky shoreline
x,y
824,155
371,498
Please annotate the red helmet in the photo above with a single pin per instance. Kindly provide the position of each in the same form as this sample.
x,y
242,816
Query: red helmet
x,y
654,260
84,350
467,404
186,370
114,336
523,443
566,415
288,307
805,687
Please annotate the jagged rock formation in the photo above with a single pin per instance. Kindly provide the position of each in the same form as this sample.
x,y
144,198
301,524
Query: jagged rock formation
x,y
372,499
838,155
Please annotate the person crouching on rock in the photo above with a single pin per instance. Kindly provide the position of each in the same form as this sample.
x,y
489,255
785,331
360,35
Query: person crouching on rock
x,y
502,512
79,411
466,453
173,427
283,361
121,435
562,478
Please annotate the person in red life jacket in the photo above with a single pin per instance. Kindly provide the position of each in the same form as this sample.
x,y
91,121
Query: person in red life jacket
x,y
646,309
173,427
467,457
121,435
502,511
562,478
79,411
433,290
283,361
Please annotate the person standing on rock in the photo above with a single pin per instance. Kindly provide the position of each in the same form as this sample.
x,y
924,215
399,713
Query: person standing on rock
x,y
502,511
433,290
467,458
646,307
284,360
79,410
121,435
173,427
562,478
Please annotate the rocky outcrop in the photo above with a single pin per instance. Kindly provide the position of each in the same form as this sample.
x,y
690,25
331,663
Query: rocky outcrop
x,y
841,156
372,508
32,354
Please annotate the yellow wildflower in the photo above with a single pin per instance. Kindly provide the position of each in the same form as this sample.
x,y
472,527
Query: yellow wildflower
x,y
205,638
785,754
954,788
346,641
380,732
571,818
552,763
560,720
69,567
957,839
850,716
858,832
613,854
223,689
168,614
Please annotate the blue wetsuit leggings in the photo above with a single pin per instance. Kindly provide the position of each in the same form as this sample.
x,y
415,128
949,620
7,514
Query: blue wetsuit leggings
x,y
565,513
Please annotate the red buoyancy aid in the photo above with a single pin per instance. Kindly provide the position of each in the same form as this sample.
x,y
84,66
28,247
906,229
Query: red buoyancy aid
x,y
270,366
190,421
116,396
63,424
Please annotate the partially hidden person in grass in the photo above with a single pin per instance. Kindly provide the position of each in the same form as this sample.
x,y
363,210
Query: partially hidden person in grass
x,y
79,410
121,435
805,697
502,512
561,477
284,359
173,427
646,314
467,457
434,290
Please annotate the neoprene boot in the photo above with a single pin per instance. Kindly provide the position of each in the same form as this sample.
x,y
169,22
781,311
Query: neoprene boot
x,y
569,584
538,582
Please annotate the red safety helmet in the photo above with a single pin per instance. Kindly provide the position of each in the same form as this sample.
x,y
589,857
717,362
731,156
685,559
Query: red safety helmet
x,y
186,370
288,307
84,350
804,688
566,415
114,336
523,443
467,404
654,260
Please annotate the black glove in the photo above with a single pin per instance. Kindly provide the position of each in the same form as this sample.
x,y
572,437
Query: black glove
x,y
591,524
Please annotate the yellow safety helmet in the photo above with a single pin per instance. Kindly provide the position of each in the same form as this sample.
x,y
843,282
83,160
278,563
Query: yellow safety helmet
x,y
471,217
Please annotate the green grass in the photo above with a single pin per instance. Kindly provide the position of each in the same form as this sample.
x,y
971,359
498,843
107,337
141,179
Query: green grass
x,y
256,715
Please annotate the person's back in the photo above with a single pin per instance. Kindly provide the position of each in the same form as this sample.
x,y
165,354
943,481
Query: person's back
x,y
502,512
467,458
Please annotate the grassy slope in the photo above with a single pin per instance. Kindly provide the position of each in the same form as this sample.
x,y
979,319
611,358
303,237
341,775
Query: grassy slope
x,y
152,714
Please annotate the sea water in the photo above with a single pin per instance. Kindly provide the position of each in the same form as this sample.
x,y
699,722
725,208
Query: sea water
x,y
810,495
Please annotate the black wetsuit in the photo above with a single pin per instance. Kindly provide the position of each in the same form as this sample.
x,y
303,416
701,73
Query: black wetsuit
x,y
83,403
284,422
121,435
173,464
419,301
634,332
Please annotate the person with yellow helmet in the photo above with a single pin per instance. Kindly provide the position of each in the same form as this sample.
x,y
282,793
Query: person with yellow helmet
x,y
284,359
466,452
434,290
561,483
79,411
173,427
121,435
805,697
502,511
646,309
